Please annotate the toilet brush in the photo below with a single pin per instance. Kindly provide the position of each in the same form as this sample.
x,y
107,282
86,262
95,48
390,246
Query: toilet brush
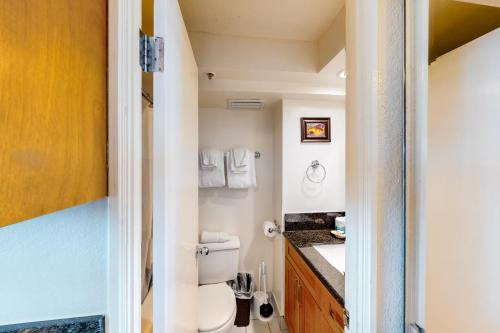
x,y
266,309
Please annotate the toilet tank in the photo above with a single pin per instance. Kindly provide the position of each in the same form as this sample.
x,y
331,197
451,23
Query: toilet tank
x,y
221,263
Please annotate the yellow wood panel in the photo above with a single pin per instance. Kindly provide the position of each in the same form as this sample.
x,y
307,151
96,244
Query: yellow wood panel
x,y
53,105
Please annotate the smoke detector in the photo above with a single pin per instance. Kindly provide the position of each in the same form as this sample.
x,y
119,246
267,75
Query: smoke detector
x,y
253,104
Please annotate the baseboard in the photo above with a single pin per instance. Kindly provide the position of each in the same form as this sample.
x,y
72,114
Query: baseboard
x,y
275,305
280,314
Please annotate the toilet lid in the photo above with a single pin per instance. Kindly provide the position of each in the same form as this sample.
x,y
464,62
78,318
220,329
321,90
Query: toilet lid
x,y
216,305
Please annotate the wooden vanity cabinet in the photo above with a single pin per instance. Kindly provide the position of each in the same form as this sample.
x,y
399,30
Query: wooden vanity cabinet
x,y
292,301
313,320
309,307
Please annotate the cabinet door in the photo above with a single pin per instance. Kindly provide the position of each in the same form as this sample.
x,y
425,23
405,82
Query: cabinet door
x,y
333,312
292,300
313,320
53,106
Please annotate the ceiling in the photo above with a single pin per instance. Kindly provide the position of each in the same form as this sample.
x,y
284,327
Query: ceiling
x,y
243,42
495,3
303,20
455,23
273,86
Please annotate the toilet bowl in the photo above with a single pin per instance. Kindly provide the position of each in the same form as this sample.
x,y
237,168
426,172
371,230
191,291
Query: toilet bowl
x,y
216,300
216,308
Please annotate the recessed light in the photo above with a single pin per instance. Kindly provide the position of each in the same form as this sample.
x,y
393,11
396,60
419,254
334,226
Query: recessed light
x,y
342,74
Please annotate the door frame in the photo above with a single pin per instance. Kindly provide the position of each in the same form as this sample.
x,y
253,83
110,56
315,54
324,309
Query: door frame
x,y
417,59
124,82
375,162
360,262
124,164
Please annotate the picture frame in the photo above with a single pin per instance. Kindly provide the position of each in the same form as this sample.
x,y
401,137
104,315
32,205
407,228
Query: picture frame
x,y
315,129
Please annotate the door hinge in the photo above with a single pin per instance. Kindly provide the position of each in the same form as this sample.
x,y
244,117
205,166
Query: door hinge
x,y
346,318
415,328
151,53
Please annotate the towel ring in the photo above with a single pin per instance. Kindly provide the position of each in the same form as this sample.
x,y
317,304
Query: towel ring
x,y
314,167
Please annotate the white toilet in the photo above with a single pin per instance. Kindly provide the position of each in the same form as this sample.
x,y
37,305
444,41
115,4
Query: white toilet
x,y
216,300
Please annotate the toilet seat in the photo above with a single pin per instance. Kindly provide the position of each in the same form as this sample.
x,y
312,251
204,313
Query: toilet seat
x,y
216,308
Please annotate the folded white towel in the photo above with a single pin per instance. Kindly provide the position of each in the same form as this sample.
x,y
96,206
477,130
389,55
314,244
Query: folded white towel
x,y
208,158
212,176
214,237
242,179
239,160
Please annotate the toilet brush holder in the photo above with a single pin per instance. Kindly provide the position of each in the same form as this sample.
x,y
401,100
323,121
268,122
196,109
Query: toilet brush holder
x,y
259,297
262,308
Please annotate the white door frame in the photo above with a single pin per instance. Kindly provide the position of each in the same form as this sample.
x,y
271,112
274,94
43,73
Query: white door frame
x,y
360,264
124,158
375,135
417,59
372,205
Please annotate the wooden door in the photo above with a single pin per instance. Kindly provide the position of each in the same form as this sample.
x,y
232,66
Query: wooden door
x,y
312,317
53,106
292,298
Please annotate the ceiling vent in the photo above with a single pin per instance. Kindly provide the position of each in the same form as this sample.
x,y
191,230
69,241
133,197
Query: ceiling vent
x,y
253,104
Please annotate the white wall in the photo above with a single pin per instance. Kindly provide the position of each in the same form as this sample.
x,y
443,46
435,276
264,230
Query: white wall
x,y
332,41
299,194
241,212
463,189
280,171
55,266
292,194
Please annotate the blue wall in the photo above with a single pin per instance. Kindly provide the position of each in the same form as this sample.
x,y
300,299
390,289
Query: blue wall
x,y
55,266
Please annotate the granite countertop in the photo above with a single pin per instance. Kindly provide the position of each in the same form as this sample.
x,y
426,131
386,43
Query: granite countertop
x,y
91,324
303,241
311,221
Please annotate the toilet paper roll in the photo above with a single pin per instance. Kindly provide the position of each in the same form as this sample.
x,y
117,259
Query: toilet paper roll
x,y
270,229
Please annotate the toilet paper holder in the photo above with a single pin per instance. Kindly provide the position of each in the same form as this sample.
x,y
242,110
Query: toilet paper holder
x,y
275,228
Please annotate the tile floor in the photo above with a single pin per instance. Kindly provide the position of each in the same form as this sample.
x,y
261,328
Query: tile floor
x,y
257,326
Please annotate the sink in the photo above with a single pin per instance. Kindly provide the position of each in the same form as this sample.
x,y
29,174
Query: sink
x,y
334,254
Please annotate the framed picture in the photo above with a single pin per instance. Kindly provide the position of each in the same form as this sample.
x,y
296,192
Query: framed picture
x,y
315,129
